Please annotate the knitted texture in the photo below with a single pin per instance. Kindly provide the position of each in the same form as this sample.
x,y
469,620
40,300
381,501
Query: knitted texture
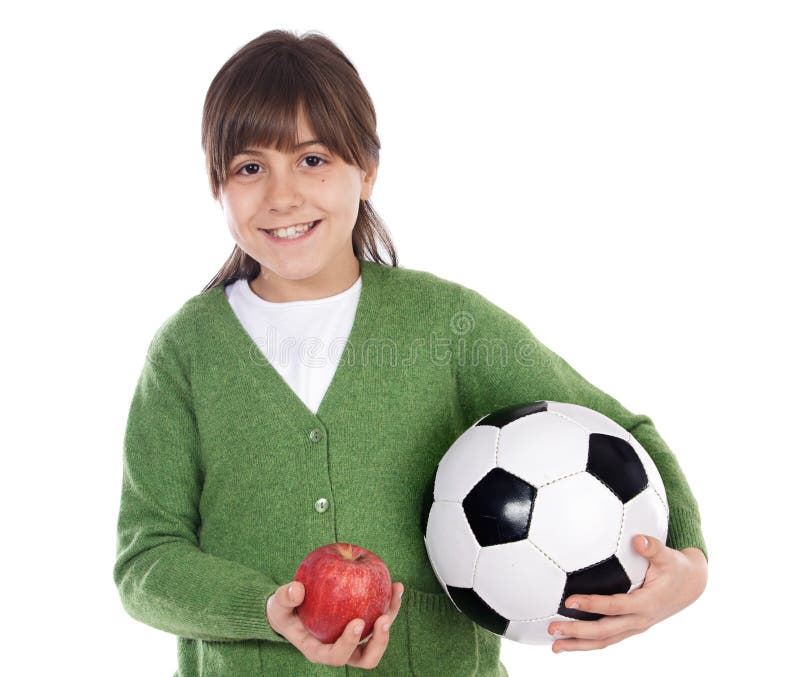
x,y
224,465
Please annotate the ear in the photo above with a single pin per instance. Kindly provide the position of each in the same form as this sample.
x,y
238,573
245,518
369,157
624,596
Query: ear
x,y
368,178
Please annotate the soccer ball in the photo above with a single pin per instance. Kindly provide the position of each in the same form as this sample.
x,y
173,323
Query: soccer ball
x,y
537,502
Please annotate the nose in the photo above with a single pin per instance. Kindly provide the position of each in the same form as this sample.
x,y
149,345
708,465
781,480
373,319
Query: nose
x,y
282,192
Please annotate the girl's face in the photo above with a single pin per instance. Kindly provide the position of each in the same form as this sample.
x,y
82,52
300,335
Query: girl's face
x,y
267,189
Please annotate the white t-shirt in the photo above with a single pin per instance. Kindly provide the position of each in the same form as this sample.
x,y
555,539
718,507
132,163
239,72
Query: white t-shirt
x,y
302,340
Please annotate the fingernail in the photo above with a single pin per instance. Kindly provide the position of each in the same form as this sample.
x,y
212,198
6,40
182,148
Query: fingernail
x,y
574,605
386,627
358,629
290,588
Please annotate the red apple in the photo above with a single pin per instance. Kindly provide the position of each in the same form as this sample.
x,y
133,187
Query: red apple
x,y
342,582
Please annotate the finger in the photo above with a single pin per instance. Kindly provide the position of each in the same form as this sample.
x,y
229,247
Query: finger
x,y
394,606
368,655
392,611
652,548
600,629
281,607
589,644
608,605
282,615
289,596
286,622
339,652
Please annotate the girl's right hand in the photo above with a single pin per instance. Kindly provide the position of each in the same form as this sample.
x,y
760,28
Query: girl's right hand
x,y
282,617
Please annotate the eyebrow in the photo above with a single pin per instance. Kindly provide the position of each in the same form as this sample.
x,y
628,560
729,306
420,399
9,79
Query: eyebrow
x,y
302,144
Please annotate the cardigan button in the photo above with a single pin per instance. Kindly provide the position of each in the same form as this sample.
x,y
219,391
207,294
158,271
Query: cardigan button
x,y
315,435
321,505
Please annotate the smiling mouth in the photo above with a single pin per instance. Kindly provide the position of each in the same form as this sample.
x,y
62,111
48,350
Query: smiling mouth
x,y
292,232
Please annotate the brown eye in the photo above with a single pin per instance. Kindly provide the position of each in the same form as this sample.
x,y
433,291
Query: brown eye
x,y
315,157
249,165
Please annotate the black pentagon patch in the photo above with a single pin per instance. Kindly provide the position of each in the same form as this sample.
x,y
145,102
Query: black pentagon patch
x,y
427,502
505,415
604,578
617,465
498,508
471,605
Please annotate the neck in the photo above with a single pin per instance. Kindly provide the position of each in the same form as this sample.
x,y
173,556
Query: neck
x,y
272,287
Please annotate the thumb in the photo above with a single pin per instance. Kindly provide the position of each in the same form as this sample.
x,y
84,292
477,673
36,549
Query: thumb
x,y
649,547
295,593
287,596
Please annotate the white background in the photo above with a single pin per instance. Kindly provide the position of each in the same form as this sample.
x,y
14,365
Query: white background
x,y
621,176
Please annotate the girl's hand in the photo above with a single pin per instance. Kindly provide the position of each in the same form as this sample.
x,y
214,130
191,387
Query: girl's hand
x,y
282,616
674,579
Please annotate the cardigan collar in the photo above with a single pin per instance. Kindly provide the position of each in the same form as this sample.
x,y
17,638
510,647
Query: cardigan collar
x,y
249,362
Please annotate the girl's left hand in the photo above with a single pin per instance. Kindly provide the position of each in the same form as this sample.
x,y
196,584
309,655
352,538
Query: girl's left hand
x,y
674,579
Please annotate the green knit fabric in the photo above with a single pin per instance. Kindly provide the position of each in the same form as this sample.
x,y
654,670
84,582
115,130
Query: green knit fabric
x,y
221,470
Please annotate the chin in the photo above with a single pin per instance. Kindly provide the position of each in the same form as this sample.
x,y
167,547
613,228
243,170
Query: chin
x,y
293,270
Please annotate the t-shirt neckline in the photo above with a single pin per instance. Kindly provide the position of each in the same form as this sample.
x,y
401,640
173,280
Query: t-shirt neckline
x,y
280,305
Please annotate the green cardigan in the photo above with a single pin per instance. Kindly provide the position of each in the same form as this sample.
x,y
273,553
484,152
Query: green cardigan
x,y
224,465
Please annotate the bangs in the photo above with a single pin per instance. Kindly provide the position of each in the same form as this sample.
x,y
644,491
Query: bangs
x,y
259,105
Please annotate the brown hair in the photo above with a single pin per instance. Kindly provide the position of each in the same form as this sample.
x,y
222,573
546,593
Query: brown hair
x,y
255,100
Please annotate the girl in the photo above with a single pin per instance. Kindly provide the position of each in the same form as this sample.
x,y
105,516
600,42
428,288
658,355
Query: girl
x,y
240,460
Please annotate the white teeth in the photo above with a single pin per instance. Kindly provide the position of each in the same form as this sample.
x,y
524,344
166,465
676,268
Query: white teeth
x,y
291,231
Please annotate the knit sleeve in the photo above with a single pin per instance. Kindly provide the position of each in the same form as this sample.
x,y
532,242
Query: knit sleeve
x,y
498,362
163,577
